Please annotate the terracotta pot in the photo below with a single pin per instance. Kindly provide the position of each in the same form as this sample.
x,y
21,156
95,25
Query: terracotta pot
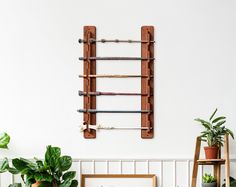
x,y
36,184
211,152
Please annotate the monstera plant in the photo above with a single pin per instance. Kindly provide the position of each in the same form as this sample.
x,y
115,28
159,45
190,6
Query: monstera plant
x,y
50,172
4,140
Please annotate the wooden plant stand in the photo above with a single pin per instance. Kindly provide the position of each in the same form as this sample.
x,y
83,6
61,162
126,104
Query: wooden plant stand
x,y
216,163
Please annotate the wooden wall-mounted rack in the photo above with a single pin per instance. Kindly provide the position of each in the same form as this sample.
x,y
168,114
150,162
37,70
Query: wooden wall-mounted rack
x,y
89,93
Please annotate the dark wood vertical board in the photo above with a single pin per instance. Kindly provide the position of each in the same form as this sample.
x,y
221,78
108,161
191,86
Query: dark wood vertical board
x,y
147,84
89,83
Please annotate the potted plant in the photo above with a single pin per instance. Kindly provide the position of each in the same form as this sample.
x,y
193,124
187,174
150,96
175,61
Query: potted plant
x,y
208,181
52,172
213,134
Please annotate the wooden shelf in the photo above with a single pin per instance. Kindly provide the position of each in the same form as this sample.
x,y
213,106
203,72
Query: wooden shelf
x,y
211,161
216,163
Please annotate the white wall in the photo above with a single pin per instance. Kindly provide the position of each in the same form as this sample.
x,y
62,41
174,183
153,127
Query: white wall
x,y
194,73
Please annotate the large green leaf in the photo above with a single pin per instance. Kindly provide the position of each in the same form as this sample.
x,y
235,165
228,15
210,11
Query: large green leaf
x,y
4,140
65,163
30,164
20,164
51,156
69,175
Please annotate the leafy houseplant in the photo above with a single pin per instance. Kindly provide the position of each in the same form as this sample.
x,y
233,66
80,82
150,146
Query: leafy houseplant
x,y
52,172
208,181
4,140
213,134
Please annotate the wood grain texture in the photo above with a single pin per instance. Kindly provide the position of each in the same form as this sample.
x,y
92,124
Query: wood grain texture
x,y
195,164
89,84
211,161
151,176
217,174
227,161
147,84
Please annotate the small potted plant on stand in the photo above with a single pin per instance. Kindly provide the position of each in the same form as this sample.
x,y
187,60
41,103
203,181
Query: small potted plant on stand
x,y
208,181
213,134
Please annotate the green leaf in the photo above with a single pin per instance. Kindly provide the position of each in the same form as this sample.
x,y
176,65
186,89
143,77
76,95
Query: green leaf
x,y
206,124
213,114
30,164
4,140
69,175
230,133
19,164
39,163
65,163
51,156
40,166
4,165
66,183
74,183
218,119
233,184
220,123
200,120
13,171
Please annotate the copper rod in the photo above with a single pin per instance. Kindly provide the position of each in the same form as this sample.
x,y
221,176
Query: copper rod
x,y
92,40
112,111
115,58
113,76
81,93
